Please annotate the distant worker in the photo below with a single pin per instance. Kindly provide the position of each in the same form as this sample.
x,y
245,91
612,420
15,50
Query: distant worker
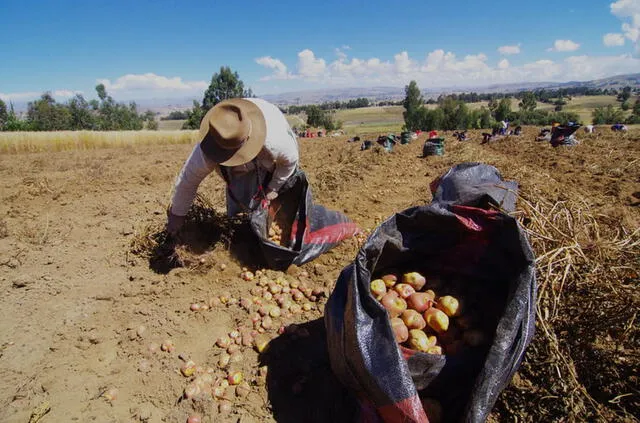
x,y
618,127
249,143
589,129
460,135
366,145
433,134
505,125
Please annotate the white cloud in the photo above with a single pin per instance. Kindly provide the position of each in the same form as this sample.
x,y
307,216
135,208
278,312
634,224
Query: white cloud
x,y
150,82
613,40
340,53
402,62
564,45
309,66
280,69
444,69
628,11
506,50
59,95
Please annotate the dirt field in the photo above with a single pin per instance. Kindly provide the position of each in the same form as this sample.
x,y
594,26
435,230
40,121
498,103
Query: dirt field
x,y
84,296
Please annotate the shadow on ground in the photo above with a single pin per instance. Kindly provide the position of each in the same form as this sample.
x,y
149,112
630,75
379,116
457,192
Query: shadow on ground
x,y
300,384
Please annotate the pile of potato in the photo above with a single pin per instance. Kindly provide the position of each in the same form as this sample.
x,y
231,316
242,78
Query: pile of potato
x,y
272,307
421,320
275,233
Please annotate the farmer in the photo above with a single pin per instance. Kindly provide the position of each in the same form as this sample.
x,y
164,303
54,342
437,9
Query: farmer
x,y
249,143
618,127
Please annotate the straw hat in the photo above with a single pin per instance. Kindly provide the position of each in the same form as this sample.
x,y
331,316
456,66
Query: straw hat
x,y
233,132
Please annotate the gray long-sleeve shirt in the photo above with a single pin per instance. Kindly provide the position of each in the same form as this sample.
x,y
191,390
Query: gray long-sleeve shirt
x,y
279,156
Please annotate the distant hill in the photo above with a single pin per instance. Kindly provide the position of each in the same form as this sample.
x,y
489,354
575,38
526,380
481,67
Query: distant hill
x,y
397,93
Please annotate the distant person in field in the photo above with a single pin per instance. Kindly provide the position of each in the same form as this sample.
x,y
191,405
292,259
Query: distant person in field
x,y
618,127
249,143
505,125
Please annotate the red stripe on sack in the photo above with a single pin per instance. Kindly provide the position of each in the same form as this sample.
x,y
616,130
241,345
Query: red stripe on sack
x,y
294,230
407,353
332,234
474,218
433,186
408,410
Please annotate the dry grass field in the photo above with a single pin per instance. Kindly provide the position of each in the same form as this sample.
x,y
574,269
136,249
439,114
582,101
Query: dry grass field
x,y
86,300
21,142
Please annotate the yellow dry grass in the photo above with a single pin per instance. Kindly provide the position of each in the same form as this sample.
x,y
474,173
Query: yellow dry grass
x,y
31,142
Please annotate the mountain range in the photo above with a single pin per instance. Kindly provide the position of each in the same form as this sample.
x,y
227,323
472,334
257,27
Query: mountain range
x,y
397,93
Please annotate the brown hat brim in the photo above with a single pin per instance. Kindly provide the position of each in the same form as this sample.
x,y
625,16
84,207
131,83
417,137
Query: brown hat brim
x,y
249,149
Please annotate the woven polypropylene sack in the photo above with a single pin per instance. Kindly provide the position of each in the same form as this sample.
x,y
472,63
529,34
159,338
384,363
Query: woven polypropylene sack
x,y
464,235
312,228
433,148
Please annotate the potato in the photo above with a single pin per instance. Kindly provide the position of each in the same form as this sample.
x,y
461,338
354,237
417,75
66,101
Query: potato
x,y
415,279
449,305
418,340
413,320
437,320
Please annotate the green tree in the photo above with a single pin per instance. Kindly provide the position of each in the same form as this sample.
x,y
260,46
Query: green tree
x,y
114,116
45,114
486,121
528,102
625,106
316,117
225,84
13,123
430,119
636,108
624,95
4,115
80,111
413,105
176,115
493,106
102,92
194,116
150,118
503,110
607,115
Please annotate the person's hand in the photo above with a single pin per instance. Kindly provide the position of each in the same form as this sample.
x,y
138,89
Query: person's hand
x,y
174,223
272,195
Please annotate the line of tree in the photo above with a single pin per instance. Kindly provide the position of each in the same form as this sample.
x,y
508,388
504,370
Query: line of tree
x,y
176,115
105,114
610,114
321,118
543,95
452,113
332,105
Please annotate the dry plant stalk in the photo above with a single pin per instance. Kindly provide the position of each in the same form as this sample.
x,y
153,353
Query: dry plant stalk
x,y
568,240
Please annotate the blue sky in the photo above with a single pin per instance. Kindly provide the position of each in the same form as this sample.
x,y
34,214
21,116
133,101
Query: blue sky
x,y
166,49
